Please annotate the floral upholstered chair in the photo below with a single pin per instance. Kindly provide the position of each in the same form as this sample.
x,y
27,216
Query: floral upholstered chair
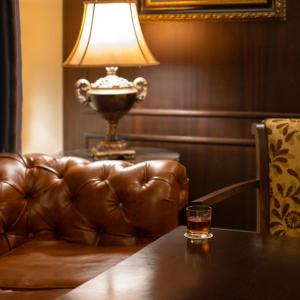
x,y
284,174
278,182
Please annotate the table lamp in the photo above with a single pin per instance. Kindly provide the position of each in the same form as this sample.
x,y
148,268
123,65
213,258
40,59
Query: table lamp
x,y
111,36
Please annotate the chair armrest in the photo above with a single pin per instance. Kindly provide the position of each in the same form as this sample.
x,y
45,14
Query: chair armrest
x,y
227,192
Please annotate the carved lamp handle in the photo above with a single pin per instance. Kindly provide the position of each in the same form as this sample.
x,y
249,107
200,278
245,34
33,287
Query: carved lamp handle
x,y
82,86
141,85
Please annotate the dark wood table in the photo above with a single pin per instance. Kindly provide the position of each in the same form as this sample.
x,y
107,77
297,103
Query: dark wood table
x,y
233,265
142,154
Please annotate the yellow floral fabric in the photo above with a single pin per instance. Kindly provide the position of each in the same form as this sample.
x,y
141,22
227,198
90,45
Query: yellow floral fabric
x,y
284,174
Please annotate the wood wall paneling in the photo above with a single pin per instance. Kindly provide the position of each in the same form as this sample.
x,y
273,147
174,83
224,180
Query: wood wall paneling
x,y
222,77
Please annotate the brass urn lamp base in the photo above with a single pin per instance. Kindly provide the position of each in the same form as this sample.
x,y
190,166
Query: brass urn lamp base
x,y
112,146
112,97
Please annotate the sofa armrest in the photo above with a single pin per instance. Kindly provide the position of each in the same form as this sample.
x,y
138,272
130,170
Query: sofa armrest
x,y
227,192
152,192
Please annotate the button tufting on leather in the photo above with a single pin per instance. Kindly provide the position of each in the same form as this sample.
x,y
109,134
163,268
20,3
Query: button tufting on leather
x,y
115,197
27,196
182,194
71,198
100,178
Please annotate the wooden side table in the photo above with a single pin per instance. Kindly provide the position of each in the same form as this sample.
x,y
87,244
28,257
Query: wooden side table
x,y
142,154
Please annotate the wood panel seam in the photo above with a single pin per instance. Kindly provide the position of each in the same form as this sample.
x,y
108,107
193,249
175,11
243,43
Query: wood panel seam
x,y
205,113
177,139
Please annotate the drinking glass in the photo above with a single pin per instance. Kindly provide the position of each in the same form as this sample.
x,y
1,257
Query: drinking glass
x,y
198,219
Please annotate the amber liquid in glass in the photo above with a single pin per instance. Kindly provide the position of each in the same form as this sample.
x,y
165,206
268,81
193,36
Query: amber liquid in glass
x,y
198,225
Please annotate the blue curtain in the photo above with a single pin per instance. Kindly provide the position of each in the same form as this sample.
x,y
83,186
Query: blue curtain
x,y
10,77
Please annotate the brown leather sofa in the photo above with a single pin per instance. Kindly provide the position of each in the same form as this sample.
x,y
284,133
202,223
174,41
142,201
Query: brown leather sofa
x,y
63,221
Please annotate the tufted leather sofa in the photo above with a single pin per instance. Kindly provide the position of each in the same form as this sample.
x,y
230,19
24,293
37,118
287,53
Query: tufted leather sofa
x,y
63,221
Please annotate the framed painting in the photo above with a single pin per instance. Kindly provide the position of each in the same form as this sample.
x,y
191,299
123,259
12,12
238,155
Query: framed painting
x,y
245,10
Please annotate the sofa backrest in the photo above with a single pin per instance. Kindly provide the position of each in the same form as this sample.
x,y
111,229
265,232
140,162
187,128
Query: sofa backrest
x,y
93,203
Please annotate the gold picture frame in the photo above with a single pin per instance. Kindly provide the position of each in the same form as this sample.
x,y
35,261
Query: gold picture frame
x,y
215,10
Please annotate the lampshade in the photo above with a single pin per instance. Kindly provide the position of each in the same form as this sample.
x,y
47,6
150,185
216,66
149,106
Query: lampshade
x,y
110,35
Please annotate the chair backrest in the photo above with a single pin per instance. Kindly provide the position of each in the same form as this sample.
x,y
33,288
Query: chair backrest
x,y
278,167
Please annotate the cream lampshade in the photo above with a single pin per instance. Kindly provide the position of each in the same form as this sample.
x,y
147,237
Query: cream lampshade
x,y
111,36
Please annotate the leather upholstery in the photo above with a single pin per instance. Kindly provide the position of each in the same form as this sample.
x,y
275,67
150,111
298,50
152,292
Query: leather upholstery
x,y
32,294
104,203
57,264
284,176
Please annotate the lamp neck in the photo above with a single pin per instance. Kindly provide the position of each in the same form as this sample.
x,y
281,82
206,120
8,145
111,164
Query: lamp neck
x,y
111,80
111,70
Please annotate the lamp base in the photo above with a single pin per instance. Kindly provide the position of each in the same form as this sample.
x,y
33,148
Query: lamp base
x,y
112,97
112,145
127,154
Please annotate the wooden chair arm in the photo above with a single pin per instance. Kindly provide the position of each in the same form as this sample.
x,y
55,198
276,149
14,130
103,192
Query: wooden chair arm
x,y
227,192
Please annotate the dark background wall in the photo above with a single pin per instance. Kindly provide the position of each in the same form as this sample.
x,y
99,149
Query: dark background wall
x,y
209,67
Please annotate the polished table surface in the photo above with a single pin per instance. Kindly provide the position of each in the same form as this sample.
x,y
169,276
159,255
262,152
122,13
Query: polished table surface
x,y
233,265
142,154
